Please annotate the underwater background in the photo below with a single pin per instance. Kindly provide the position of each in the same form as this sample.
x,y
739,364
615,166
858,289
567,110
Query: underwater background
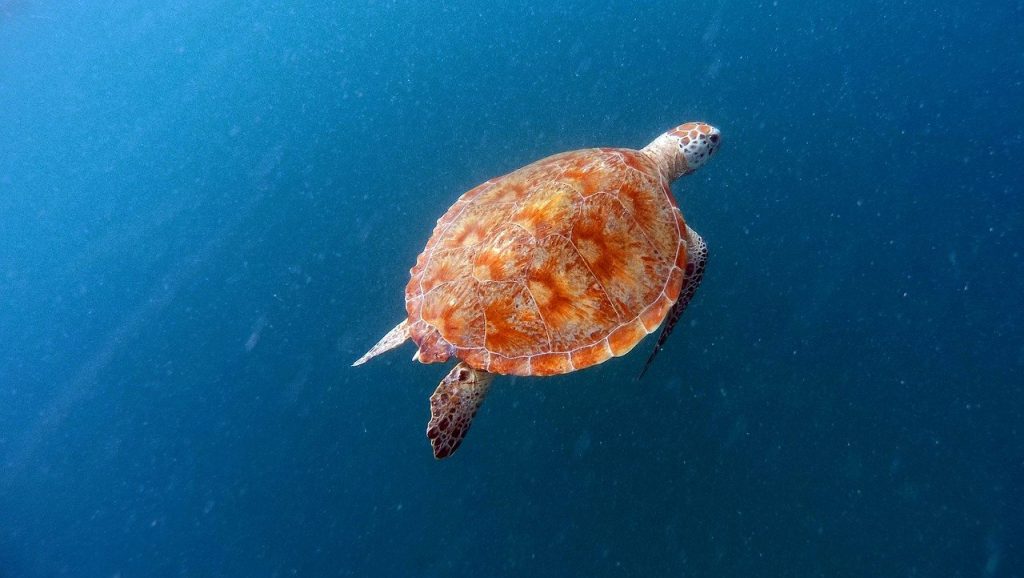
x,y
208,210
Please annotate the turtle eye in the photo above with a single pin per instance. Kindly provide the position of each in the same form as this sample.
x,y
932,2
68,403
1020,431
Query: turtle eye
x,y
713,138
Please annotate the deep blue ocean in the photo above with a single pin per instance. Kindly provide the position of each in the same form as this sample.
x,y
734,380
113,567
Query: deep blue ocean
x,y
208,210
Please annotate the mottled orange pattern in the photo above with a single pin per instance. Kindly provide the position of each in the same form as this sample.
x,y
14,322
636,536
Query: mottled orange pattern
x,y
570,299
554,267
504,256
514,326
619,253
457,310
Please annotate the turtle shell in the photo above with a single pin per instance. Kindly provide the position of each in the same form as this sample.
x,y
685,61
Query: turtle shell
x,y
554,267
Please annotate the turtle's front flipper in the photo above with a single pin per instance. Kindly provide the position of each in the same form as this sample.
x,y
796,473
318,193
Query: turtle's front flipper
x,y
393,339
453,405
696,261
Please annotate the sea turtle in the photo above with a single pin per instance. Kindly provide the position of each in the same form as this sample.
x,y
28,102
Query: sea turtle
x,y
552,268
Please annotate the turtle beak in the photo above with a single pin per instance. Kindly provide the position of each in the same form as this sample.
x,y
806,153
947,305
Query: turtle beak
x,y
715,140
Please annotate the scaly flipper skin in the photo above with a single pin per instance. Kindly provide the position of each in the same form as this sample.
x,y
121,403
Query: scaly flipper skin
x,y
393,339
453,406
696,261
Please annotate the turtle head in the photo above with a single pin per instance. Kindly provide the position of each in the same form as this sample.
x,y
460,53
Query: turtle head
x,y
684,149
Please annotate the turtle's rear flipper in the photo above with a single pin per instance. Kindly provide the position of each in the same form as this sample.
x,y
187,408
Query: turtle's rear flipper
x,y
453,406
393,339
696,261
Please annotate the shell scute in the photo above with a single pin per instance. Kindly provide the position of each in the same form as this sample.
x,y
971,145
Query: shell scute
x,y
569,297
510,365
514,327
625,337
675,282
445,265
433,348
659,220
470,225
592,354
549,209
505,256
551,364
456,311
655,312
619,254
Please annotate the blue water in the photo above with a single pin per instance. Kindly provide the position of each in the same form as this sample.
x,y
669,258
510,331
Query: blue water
x,y
208,210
